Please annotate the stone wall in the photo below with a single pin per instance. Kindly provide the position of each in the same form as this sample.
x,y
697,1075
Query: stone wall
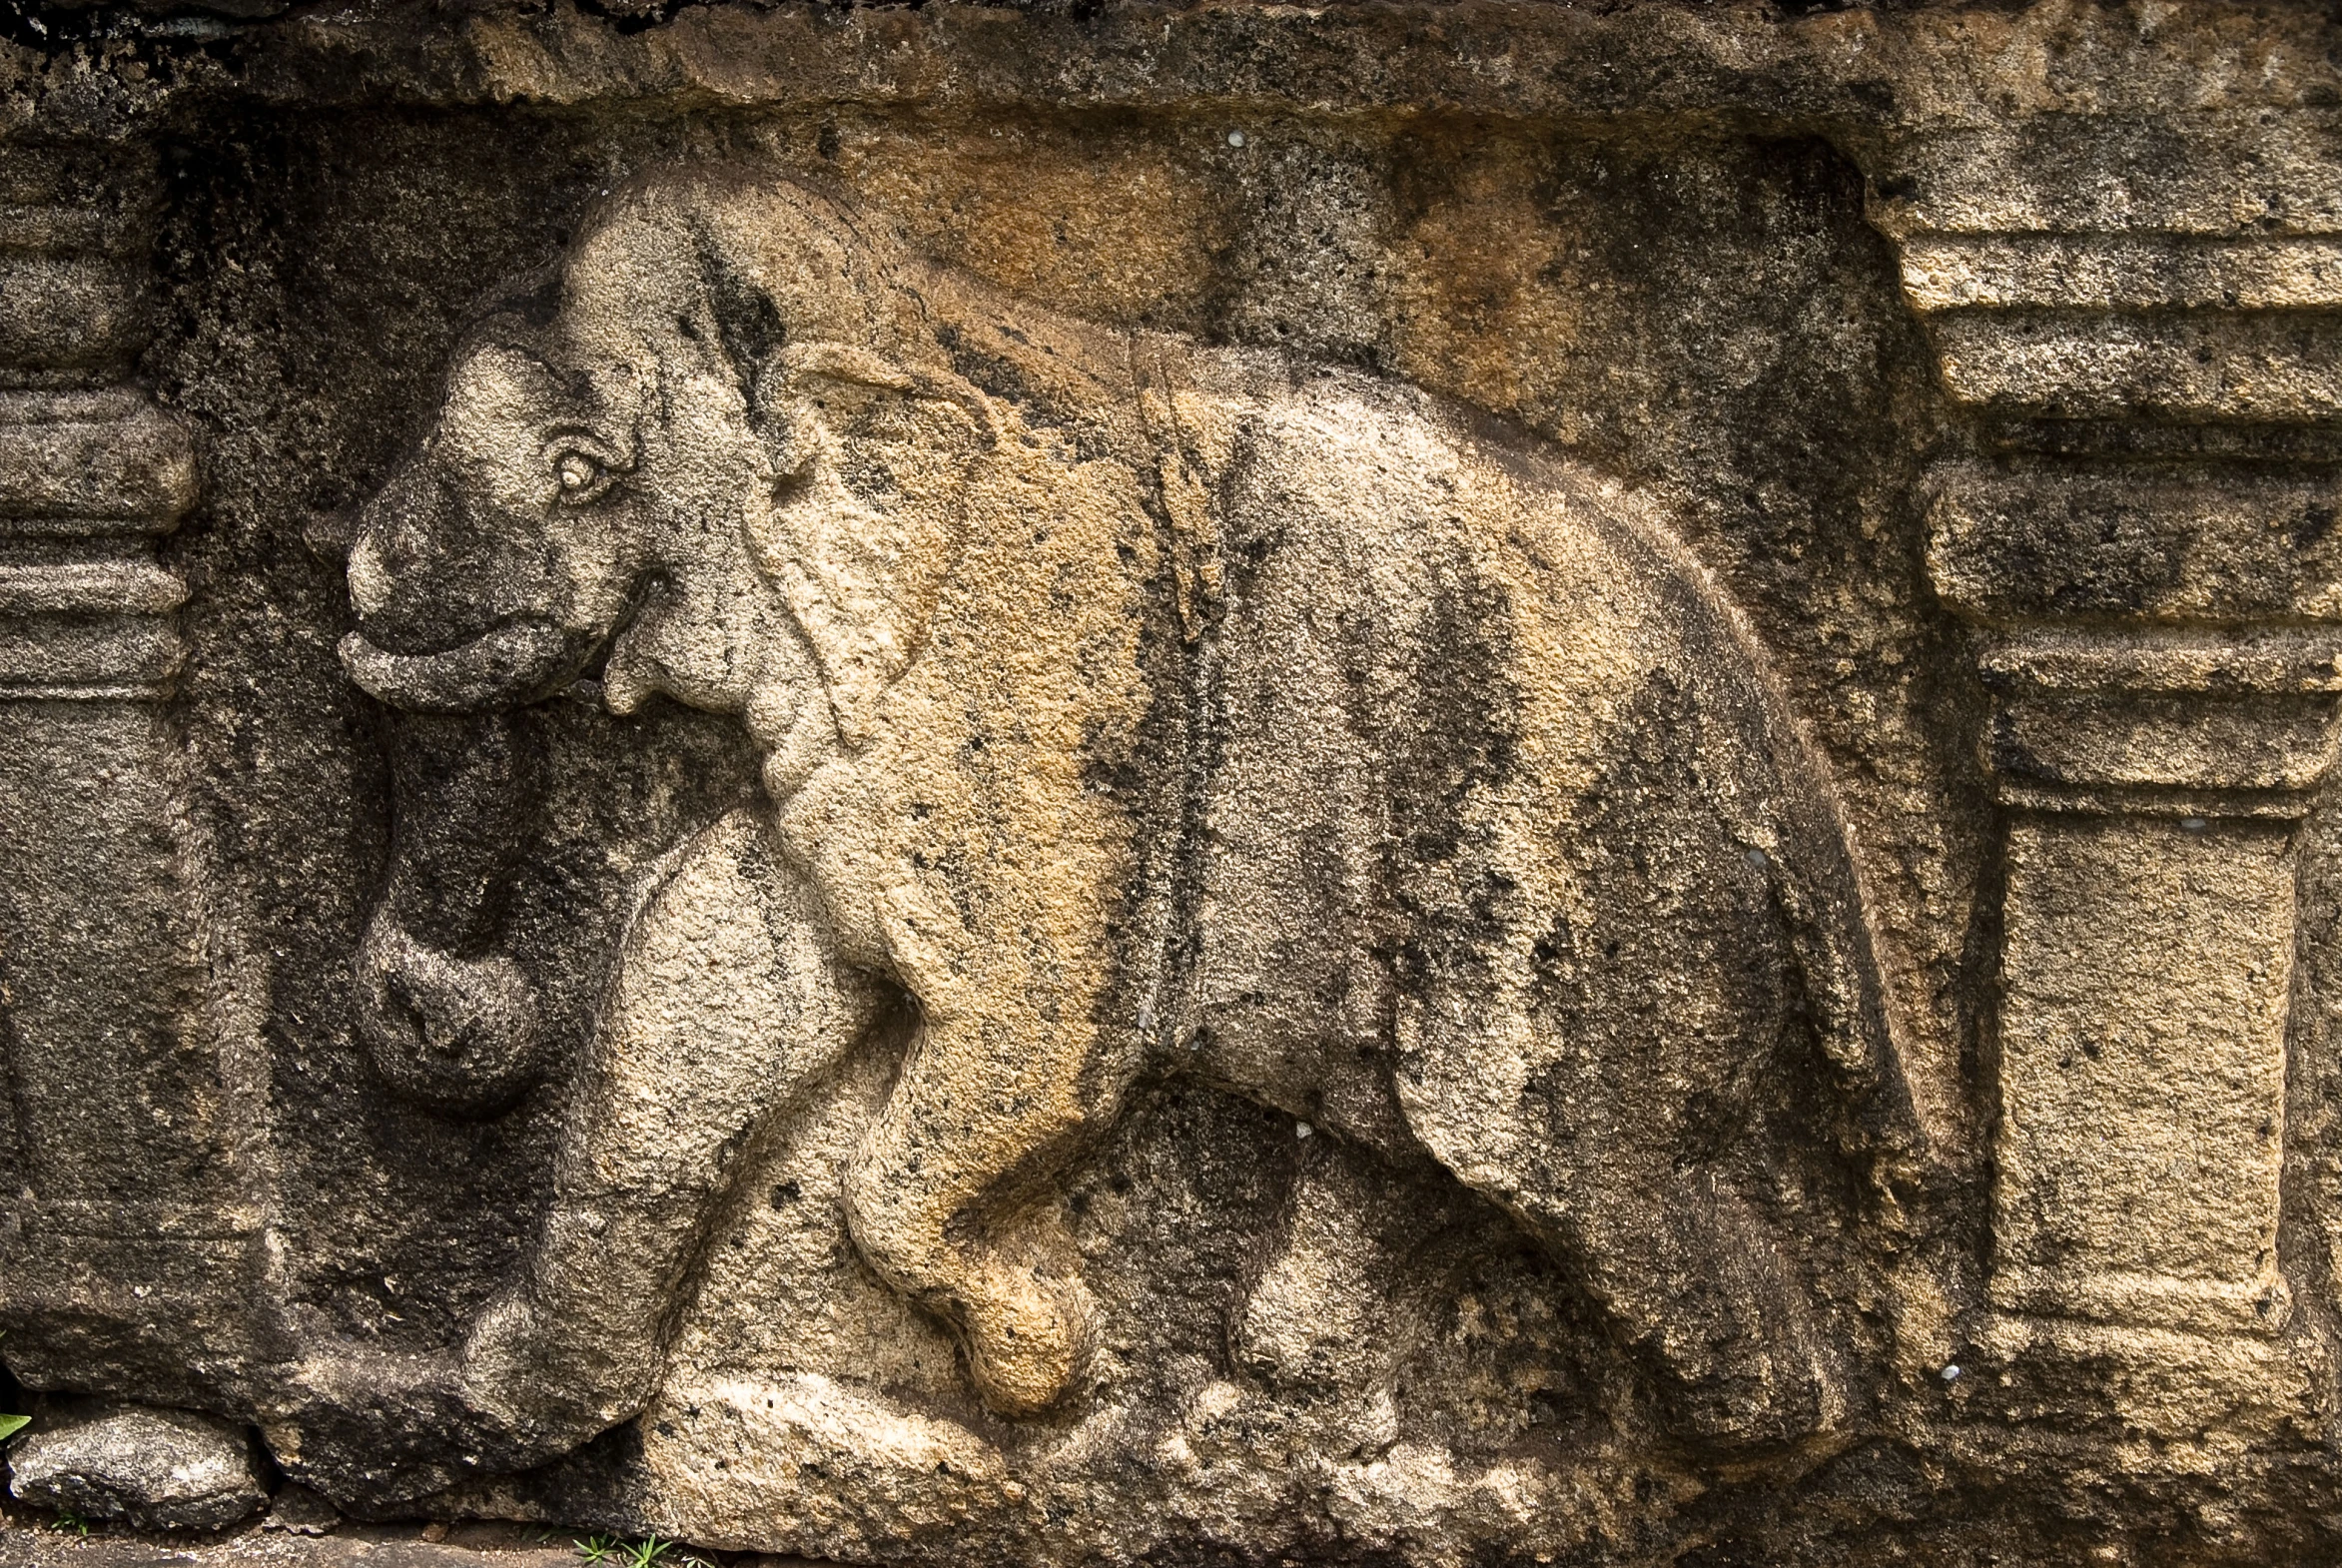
x,y
1431,783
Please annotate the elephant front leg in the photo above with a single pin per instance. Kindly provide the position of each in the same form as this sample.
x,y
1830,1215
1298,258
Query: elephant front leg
x,y
950,1198
729,998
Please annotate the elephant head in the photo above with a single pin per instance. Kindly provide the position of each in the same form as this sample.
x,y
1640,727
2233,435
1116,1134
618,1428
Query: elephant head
x,y
719,455
728,458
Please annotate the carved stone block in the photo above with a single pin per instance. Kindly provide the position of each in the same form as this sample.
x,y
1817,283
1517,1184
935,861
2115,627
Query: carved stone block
x,y
1426,784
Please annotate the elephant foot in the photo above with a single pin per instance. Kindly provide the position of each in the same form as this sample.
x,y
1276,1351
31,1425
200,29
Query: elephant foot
x,y
371,1429
1757,1400
1027,1342
552,1390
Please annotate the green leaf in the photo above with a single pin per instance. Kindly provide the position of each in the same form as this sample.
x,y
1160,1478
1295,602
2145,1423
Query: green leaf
x,y
10,1425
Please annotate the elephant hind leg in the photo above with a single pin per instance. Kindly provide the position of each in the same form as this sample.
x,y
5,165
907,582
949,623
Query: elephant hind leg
x,y
1696,1257
933,1203
1696,1282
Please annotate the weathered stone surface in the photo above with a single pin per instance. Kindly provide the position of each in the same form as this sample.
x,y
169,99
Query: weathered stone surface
x,y
296,1510
26,1542
1433,783
151,1468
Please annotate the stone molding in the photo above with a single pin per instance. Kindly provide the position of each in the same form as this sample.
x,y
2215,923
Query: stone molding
x,y
2137,531
91,471
119,1231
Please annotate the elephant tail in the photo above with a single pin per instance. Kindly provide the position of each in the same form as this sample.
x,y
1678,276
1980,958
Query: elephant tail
x,y
1789,803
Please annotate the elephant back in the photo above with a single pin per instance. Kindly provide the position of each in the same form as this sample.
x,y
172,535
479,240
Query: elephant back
x,y
1636,999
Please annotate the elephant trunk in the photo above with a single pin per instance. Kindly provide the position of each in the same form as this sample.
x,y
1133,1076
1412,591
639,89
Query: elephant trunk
x,y
516,662
449,1020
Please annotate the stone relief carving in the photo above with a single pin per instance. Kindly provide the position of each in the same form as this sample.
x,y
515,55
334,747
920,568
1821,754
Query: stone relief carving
x,y
1415,784
1125,708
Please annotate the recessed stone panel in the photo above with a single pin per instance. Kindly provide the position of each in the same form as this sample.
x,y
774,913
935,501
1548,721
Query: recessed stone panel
x,y
1447,784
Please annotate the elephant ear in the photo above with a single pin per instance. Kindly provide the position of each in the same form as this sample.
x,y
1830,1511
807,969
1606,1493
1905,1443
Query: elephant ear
x,y
866,513
868,455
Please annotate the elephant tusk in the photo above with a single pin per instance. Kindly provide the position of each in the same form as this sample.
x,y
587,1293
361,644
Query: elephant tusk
x,y
516,662
330,536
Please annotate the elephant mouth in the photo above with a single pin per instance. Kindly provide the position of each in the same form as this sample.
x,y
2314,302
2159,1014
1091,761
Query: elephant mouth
x,y
511,664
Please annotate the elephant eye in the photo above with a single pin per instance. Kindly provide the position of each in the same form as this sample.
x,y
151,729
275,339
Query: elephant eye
x,y
581,477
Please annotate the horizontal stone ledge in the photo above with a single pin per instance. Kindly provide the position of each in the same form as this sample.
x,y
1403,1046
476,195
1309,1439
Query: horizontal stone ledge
x,y
77,692
2191,365
79,1305
134,1220
2022,434
130,468
116,179
64,656
2168,542
66,311
92,529
2168,1383
2260,742
2217,175
2262,1305
2175,659
58,228
2192,806
2121,272
2095,715
1470,57
72,404
78,587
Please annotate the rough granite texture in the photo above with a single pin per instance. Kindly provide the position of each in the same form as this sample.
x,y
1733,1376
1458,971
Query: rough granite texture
x,y
148,1468
1396,783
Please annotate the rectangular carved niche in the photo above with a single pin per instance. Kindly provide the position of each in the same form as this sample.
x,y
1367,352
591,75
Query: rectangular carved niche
x,y
2142,1068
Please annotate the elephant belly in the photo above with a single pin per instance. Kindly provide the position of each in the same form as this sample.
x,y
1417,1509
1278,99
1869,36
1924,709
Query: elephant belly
x,y
1296,928
1292,983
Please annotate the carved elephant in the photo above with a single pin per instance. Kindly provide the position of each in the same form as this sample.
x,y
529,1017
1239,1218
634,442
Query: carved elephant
x,y
1130,707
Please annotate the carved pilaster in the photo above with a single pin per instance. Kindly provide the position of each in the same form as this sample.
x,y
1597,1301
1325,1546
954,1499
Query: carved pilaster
x,y
2143,534
2153,780
123,1222
92,473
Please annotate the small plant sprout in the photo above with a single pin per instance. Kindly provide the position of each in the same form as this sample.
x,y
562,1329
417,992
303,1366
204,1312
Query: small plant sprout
x,y
68,1522
10,1425
610,1551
